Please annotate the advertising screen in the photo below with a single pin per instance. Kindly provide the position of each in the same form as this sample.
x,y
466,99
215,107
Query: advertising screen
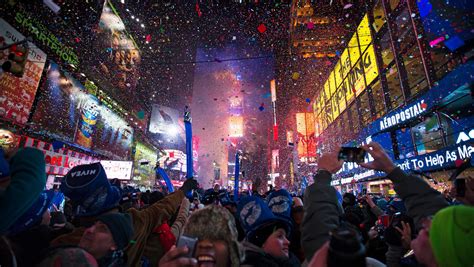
x,y
236,126
66,112
144,161
305,129
351,75
121,170
118,55
17,94
166,121
60,160
173,159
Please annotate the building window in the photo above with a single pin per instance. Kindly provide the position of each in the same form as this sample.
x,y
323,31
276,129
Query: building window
x,y
379,100
365,109
395,91
394,4
406,149
427,136
443,61
410,53
379,16
386,50
353,121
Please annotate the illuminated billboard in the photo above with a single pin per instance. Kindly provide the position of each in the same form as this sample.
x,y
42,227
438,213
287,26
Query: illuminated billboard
x,y
144,161
306,139
273,90
356,68
236,126
60,160
65,111
164,120
18,93
118,54
121,170
173,159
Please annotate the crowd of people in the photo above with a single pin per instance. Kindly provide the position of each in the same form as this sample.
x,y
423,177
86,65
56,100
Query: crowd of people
x,y
91,221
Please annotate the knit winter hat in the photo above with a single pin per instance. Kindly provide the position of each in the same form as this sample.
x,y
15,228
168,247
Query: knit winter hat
x,y
33,215
452,236
216,223
121,227
348,200
254,214
87,185
398,205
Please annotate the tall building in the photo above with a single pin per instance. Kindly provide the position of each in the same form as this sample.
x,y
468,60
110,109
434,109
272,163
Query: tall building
x,y
317,34
404,79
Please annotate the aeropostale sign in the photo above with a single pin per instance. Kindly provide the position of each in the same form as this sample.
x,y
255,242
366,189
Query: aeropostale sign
x,y
403,115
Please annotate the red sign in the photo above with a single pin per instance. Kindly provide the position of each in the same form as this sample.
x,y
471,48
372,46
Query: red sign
x,y
59,161
17,94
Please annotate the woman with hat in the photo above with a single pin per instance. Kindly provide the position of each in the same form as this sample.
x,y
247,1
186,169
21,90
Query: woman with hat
x,y
217,244
266,242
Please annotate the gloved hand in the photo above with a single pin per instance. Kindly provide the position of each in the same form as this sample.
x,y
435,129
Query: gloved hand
x,y
189,185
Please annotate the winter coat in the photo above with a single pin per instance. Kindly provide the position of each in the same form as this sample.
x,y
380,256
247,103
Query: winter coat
x,y
420,199
27,181
144,221
154,251
255,256
29,244
322,213
394,255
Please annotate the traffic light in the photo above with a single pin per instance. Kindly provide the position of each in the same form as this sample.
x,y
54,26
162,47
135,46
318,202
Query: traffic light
x,y
16,60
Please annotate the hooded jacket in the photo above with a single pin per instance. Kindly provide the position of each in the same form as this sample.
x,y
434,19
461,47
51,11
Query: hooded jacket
x,y
255,256
144,221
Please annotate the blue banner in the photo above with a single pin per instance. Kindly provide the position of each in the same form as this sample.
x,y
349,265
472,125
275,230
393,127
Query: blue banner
x,y
161,172
189,144
237,172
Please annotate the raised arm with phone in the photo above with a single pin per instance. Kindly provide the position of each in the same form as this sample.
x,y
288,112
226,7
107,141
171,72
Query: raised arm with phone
x,y
323,212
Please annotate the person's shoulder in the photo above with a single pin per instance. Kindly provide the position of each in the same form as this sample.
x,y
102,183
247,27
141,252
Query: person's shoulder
x,y
256,258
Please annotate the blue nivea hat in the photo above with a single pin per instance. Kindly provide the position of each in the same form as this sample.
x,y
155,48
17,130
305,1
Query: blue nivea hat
x,y
255,214
87,185
280,203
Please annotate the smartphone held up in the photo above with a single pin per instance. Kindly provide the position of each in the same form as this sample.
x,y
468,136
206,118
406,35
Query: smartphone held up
x,y
186,241
352,154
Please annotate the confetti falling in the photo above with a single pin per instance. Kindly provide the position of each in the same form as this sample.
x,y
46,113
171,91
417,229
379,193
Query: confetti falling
x,y
262,28
165,70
